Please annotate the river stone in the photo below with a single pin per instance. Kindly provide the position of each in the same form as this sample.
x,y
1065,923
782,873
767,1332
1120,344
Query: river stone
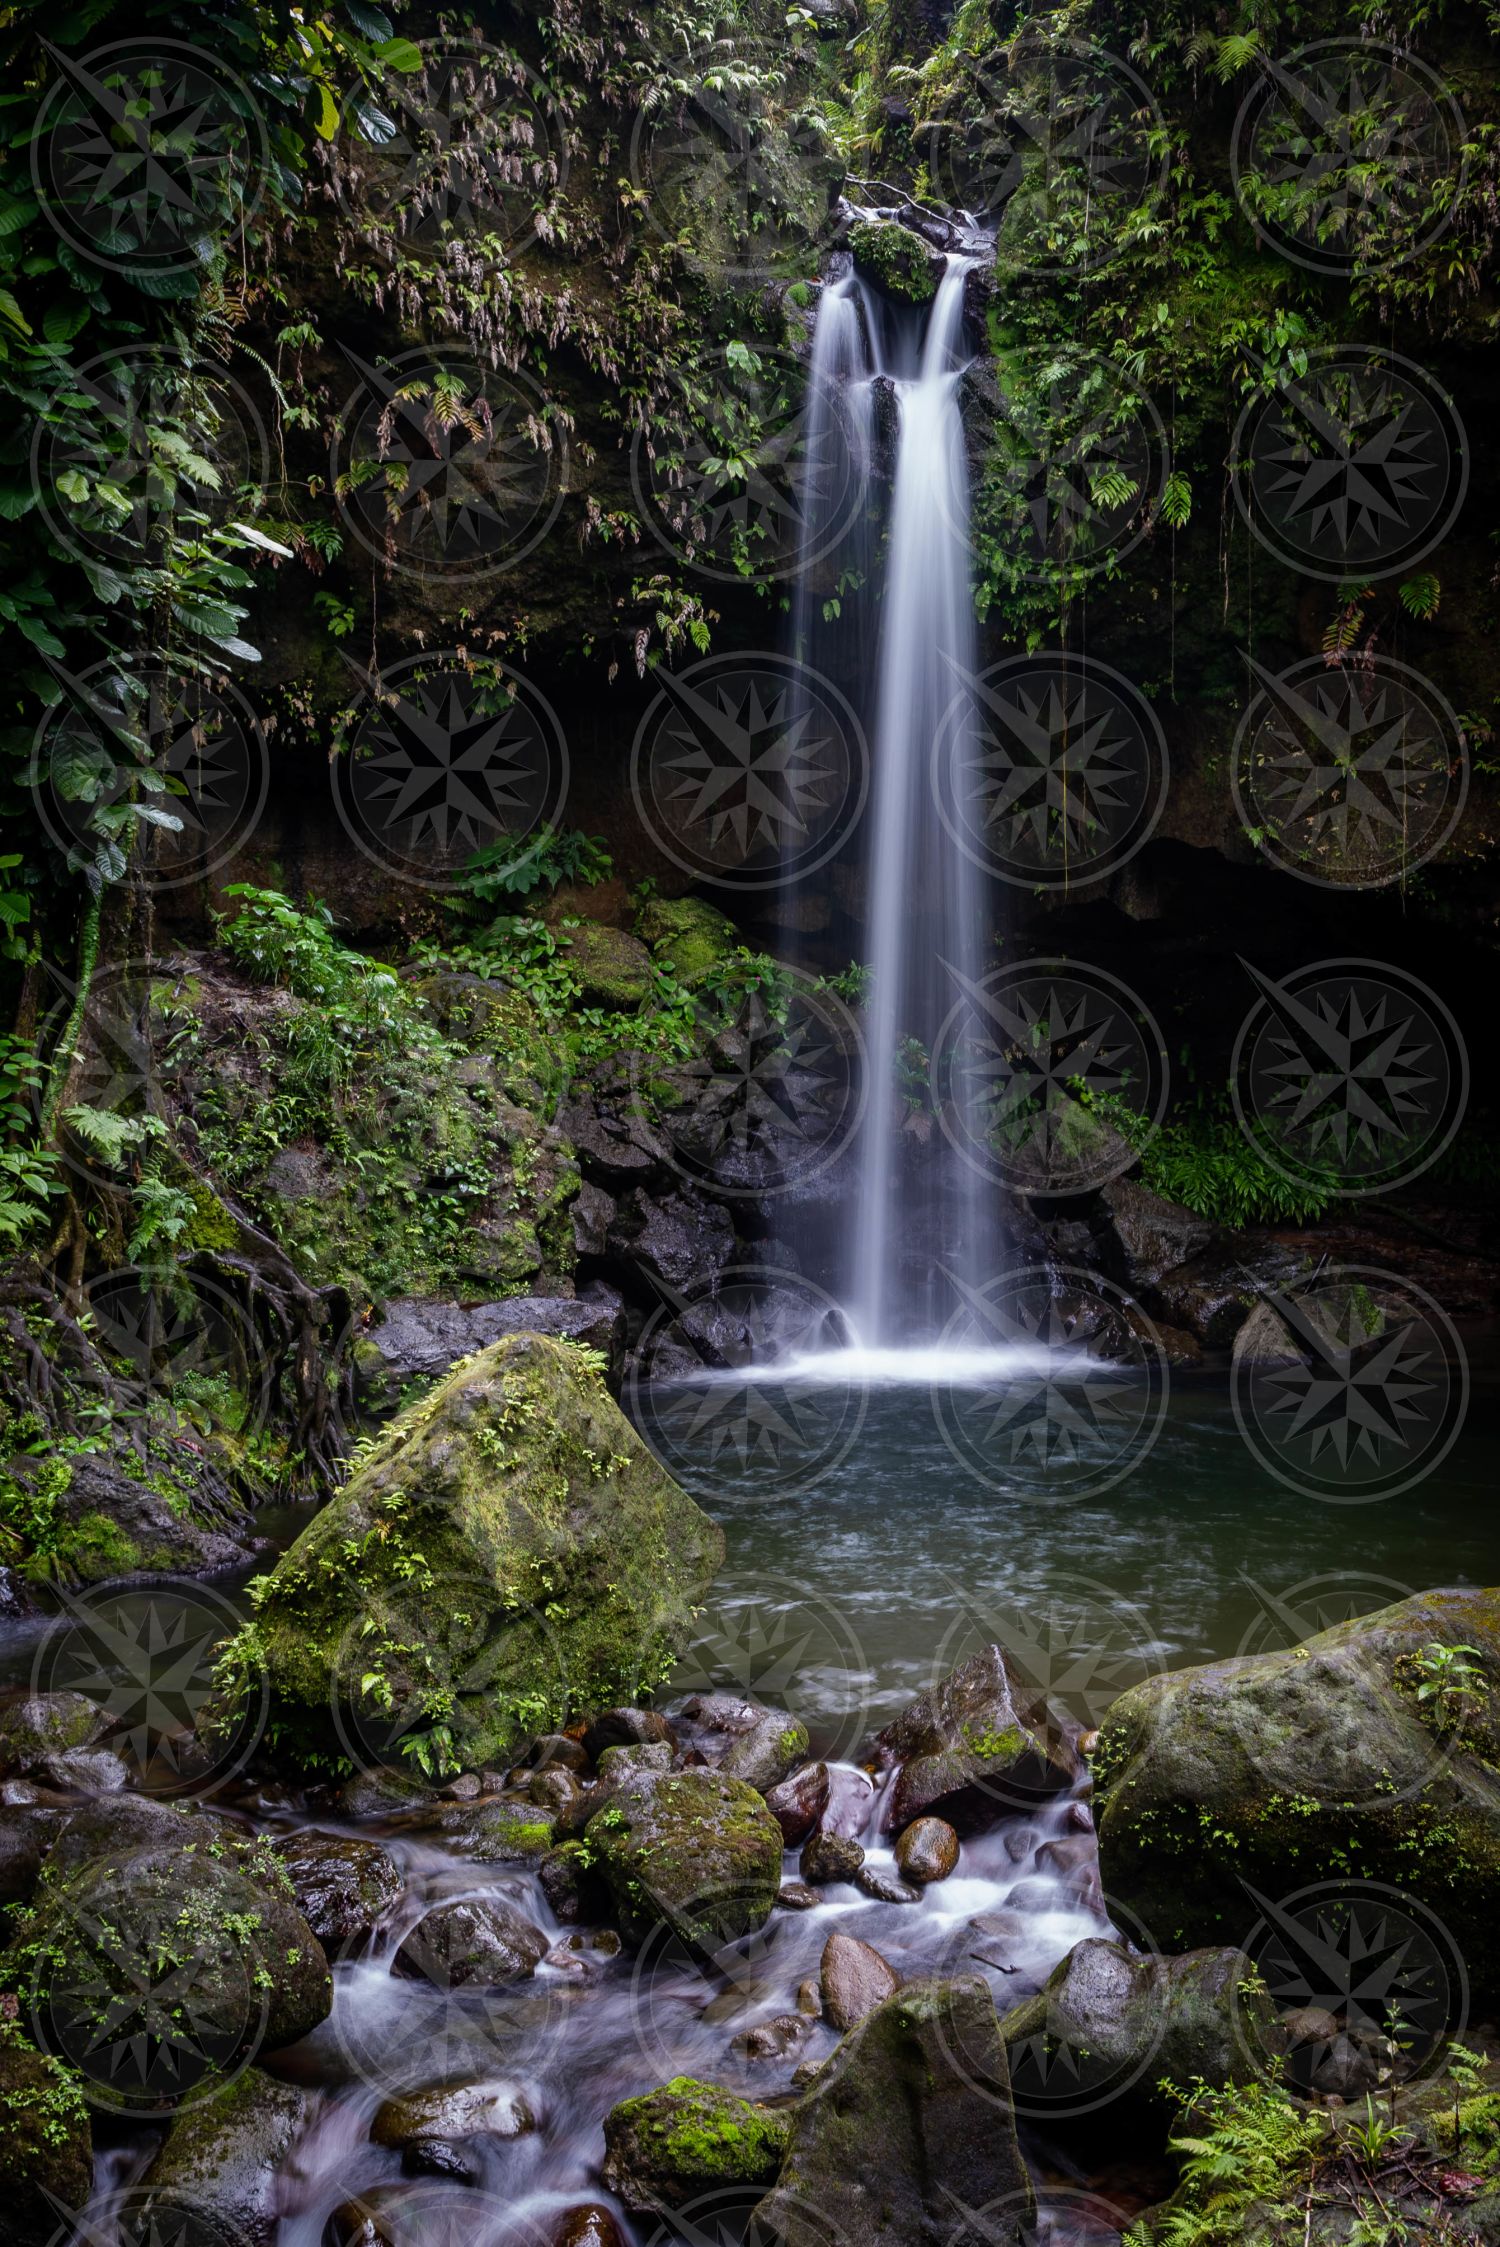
x,y
689,1850
86,1771
495,1832
1148,1235
1237,1775
885,1888
799,1802
571,1886
113,1829
343,1886
591,2226
474,1939
911,2115
227,2153
430,2129
853,1979
543,1522
626,1728
976,1748
764,1755
1109,2026
46,2146
644,1755
41,1725
668,2147
828,1857
927,1851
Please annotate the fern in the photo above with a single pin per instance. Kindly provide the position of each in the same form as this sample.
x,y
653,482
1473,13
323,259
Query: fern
x,y
109,1136
1420,596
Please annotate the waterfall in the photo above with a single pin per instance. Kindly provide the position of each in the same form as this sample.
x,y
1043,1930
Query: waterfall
x,y
925,903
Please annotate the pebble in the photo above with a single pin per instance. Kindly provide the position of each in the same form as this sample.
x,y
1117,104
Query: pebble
x,y
927,1851
831,1856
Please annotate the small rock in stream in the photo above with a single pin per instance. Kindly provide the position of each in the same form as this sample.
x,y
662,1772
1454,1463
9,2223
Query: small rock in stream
x,y
588,2227
796,1896
431,2129
927,1851
831,1857
884,1889
343,1886
799,1802
478,1940
853,1979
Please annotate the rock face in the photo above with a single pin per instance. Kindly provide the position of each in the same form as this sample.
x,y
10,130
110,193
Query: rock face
x,y
1108,2026
426,1336
911,2114
46,2147
974,1748
667,2147
479,1940
1282,1769
228,2154
559,1567
343,1886
692,1851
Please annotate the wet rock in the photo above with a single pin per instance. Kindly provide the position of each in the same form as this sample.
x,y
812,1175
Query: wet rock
x,y
611,1142
896,260
228,2154
681,1237
46,2146
344,1887
422,1336
1264,1339
478,1940
772,2040
592,1212
927,1851
691,936
616,1764
976,1747
690,1850
86,1771
26,1834
853,1979
792,1896
373,2217
573,1889
624,1728
670,2146
883,1888
799,1802
553,1790
42,1725
590,2226
613,967
1110,2025
116,1829
828,1857
493,1832
1213,1293
911,2114
1145,1236
763,1756
538,1511
554,1750
1211,1780
431,2130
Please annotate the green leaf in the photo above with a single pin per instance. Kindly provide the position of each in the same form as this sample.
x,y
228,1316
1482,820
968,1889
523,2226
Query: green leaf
x,y
327,120
73,486
39,635
400,54
12,311
62,322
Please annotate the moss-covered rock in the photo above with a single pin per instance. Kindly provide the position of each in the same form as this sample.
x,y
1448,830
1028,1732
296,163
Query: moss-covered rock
x,y
665,2148
896,261
687,934
510,1551
228,2152
46,2145
613,967
1325,1761
691,1851
37,1726
978,1745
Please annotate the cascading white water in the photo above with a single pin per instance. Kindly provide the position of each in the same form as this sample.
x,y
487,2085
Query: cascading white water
x,y
925,906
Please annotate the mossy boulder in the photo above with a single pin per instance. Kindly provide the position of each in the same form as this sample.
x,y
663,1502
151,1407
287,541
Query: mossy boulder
x,y
37,1726
687,935
509,1552
1316,1762
690,1851
977,1746
665,2148
46,2146
613,967
896,261
228,2152
906,2127
344,1886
